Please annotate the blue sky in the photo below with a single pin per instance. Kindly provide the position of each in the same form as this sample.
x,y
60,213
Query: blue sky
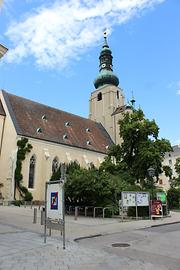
x,y
54,48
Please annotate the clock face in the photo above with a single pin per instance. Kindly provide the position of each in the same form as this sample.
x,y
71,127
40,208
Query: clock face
x,y
103,65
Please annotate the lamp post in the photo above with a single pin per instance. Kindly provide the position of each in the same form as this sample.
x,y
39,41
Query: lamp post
x,y
151,173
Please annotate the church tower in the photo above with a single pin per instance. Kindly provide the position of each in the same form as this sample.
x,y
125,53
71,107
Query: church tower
x,y
107,101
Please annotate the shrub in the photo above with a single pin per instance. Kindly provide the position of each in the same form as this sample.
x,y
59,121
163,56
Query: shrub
x,y
28,196
173,197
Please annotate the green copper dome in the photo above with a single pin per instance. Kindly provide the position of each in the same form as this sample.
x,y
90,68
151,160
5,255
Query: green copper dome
x,y
106,75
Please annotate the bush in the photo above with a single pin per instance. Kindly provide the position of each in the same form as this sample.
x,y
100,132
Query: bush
x,y
173,197
28,196
17,203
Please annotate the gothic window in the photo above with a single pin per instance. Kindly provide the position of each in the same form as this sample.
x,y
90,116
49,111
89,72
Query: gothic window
x,y
99,96
32,172
55,165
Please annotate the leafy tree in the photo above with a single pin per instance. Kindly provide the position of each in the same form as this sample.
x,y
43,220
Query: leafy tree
x,y
93,186
168,171
173,197
140,148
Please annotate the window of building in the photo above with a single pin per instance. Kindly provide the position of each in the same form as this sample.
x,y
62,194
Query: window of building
x,y
117,94
99,96
32,172
55,165
170,162
160,181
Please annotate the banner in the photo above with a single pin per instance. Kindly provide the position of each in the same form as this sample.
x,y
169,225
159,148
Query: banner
x,y
156,208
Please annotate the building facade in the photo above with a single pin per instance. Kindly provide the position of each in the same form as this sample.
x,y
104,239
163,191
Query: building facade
x,y
169,160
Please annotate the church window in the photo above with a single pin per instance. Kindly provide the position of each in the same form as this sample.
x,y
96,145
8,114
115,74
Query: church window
x,y
99,96
87,129
32,171
55,165
170,162
117,94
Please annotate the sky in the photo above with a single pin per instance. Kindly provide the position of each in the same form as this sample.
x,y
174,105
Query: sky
x,y
54,47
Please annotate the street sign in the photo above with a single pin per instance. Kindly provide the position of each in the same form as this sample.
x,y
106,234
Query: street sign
x,y
142,198
54,201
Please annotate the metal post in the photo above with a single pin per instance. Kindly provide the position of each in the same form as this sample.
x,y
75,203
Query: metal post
x,y
136,207
63,205
86,211
35,216
42,216
45,219
76,213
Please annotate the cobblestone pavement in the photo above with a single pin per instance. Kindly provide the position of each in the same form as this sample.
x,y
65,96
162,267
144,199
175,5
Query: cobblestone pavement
x,y
22,245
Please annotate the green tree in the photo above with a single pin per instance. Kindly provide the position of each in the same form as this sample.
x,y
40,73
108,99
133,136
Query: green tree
x,y
141,148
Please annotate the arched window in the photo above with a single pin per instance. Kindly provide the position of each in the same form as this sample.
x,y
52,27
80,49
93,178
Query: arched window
x,y
99,96
55,165
32,165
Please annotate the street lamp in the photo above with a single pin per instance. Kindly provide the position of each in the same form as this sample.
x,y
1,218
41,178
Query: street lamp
x,y
151,173
3,50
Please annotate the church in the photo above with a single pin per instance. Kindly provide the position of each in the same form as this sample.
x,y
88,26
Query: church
x,y
57,136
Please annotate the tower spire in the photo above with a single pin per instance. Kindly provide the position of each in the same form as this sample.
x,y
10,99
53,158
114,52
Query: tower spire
x,y
106,75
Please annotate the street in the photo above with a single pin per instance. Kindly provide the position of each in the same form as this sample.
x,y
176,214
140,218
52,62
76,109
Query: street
x,y
156,247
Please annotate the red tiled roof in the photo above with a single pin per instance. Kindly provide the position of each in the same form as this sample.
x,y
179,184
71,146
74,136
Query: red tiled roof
x,y
57,126
2,112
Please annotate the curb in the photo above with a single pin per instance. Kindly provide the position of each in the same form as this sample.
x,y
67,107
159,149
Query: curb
x,y
165,224
86,237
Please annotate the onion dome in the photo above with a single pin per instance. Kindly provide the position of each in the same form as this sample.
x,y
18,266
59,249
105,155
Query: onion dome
x,y
106,75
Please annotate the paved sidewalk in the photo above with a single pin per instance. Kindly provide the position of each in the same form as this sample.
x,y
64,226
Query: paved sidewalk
x,y
22,246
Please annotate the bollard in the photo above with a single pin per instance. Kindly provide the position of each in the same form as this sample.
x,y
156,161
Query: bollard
x,y
43,216
76,213
35,216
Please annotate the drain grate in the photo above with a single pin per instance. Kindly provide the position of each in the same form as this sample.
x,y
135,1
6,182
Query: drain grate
x,y
120,245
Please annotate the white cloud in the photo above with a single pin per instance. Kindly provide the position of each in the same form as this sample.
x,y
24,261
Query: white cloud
x,y
58,33
178,92
178,84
